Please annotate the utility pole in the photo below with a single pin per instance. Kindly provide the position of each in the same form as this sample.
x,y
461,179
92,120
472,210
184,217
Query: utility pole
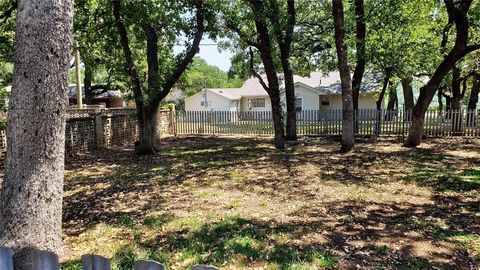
x,y
78,77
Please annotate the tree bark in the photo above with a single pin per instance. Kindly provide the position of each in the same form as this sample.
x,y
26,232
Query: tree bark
x,y
285,45
348,136
408,93
273,89
473,100
457,12
150,133
32,190
379,102
407,97
440,100
392,98
360,33
456,89
392,102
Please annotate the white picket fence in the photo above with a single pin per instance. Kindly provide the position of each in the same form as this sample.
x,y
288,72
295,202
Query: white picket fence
x,y
328,122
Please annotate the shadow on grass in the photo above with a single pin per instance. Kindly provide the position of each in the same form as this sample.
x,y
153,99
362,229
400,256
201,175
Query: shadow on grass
x,y
250,243
445,180
134,180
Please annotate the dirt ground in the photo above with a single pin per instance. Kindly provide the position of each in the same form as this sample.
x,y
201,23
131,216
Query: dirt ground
x,y
237,203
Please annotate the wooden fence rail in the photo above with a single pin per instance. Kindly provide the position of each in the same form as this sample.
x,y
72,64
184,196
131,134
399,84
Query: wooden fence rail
x,y
328,122
44,260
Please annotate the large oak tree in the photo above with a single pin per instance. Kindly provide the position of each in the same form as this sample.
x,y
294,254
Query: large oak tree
x,y
150,27
32,190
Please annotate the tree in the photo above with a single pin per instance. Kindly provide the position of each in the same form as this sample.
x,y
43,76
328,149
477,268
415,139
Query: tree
x,y
248,22
360,51
348,136
284,40
32,190
158,86
458,14
264,46
94,33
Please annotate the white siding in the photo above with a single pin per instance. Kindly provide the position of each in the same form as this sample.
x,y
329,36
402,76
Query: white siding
x,y
365,101
214,101
310,99
244,105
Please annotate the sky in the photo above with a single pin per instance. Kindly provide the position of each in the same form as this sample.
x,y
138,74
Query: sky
x,y
211,54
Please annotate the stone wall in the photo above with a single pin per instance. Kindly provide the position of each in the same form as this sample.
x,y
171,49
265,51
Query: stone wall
x,y
90,129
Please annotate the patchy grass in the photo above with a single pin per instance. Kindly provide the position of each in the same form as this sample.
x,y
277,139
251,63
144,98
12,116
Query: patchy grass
x,y
238,203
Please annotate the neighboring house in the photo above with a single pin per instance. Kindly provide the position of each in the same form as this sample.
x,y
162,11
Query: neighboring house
x,y
109,98
317,92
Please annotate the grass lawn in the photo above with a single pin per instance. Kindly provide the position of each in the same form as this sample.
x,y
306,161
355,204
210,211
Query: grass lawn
x,y
238,203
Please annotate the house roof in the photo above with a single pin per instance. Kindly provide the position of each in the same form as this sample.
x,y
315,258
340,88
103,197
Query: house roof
x,y
238,93
322,83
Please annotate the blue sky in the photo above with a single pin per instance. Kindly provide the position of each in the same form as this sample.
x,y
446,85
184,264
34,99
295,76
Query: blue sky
x,y
212,55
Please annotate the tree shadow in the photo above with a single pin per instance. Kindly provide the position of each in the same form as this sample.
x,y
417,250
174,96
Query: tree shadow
x,y
353,232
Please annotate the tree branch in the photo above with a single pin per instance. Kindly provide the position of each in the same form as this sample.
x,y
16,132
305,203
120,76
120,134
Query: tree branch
x,y
187,59
131,68
8,13
255,73
232,26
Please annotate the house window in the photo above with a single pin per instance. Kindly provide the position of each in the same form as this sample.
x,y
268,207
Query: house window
x,y
256,103
298,104
325,101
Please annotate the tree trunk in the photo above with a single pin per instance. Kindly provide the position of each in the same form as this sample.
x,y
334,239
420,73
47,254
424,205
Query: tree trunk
x,y
416,129
457,13
277,114
473,100
32,190
408,93
392,102
273,89
150,132
348,131
360,32
440,100
87,84
408,98
379,103
284,39
291,134
392,98
456,90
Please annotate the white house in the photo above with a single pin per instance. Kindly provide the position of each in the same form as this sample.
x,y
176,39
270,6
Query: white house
x,y
317,92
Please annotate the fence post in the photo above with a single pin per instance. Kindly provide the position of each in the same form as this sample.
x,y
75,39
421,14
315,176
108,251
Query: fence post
x,y
99,138
39,259
148,265
173,122
6,258
94,262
